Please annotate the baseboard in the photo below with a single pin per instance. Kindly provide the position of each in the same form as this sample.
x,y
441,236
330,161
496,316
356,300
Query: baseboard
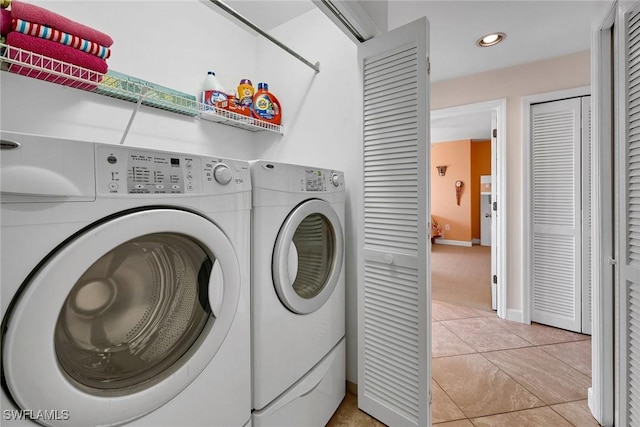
x,y
454,242
352,388
476,241
515,315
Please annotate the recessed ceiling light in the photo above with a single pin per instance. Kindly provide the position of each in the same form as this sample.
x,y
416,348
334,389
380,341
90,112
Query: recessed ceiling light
x,y
491,39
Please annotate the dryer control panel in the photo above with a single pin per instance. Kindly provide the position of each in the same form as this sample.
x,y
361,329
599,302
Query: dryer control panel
x,y
295,178
125,170
321,180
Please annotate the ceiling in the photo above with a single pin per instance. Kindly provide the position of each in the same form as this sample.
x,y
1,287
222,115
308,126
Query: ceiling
x,y
535,29
475,125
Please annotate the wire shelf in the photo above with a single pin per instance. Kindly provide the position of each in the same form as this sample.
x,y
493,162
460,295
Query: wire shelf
x,y
220,115
121,86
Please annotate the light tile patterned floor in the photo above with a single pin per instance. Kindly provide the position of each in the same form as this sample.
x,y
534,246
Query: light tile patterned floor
x,y
491,372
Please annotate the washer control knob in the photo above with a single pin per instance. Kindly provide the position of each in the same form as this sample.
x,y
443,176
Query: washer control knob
x,y
336,180
222,174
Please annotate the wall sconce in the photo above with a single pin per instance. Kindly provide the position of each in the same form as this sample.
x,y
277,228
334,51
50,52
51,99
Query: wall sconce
x,y
442,170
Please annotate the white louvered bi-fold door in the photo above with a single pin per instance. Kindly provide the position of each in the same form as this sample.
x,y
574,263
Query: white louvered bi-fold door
x,y
628,184
393,284
556,292
587,188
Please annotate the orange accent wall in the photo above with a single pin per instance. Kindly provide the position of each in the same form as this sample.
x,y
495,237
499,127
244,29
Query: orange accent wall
x,y
466,160
456,155
480,165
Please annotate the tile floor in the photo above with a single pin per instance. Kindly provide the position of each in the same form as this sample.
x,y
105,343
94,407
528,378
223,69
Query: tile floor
x,y
492,372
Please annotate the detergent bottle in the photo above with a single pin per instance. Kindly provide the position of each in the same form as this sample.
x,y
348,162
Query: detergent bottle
x,y
266,106
245,93
212,90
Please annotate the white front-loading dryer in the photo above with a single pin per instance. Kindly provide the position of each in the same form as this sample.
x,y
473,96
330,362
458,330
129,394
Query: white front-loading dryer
x,y
125,285
298,293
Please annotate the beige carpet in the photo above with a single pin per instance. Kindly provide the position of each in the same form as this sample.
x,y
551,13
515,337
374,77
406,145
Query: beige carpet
x,y
461,275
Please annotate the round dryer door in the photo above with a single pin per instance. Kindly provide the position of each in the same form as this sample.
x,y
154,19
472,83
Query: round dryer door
x,y
307,258
123,317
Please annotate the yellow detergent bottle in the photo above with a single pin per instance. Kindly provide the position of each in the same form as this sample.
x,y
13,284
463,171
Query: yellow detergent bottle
x,y
245,93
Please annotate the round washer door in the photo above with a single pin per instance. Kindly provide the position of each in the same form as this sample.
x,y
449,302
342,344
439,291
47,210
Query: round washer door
x,y
122,318
307,257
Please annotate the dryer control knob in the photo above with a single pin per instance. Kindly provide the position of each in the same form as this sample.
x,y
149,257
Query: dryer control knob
x,y
336,179
222,174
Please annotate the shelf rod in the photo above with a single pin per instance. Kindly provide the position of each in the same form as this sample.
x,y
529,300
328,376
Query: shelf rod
x,y
245,21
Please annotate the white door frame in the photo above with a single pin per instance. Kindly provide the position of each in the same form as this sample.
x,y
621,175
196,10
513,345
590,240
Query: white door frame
x,y
601,393
527,101
499,106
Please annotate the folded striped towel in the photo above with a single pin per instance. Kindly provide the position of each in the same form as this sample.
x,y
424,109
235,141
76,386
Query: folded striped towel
x,y
48,33
55,51
39,15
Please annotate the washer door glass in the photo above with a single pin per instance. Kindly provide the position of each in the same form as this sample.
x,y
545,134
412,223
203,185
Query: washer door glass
x,y
134,312
307,259
123,317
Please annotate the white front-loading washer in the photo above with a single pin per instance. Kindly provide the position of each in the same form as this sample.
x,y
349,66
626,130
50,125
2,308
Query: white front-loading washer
x,y
298,294
125,285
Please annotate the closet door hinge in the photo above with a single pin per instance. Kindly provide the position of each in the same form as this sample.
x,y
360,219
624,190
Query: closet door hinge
x,y
495,133
495,279
428,66
495,206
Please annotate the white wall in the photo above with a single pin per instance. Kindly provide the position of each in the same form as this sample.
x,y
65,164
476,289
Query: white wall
x,y
513,83
321,129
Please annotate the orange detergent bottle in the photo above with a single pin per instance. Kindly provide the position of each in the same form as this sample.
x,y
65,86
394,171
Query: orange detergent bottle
x,y
266,106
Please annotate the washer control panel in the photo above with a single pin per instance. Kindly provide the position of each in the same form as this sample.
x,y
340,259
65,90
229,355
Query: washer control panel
x,y
124,170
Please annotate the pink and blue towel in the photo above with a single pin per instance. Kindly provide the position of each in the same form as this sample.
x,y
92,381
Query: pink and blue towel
x,y
48,33
67,52
39,15
56,57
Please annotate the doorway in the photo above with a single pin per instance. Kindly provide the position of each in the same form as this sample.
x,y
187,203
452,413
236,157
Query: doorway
x,y
460,158
494,113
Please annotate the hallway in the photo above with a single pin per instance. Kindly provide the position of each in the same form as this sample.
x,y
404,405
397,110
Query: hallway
x,y
492,372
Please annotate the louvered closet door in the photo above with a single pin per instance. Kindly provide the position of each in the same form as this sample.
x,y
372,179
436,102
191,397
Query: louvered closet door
x,y
556,283
393,289
586,216
628,180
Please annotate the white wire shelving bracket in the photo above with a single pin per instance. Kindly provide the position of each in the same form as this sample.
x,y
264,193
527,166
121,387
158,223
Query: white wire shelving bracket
x,y
30,64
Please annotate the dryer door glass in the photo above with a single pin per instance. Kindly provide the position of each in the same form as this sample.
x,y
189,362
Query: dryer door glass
x,y
311,255
135,312
307,258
